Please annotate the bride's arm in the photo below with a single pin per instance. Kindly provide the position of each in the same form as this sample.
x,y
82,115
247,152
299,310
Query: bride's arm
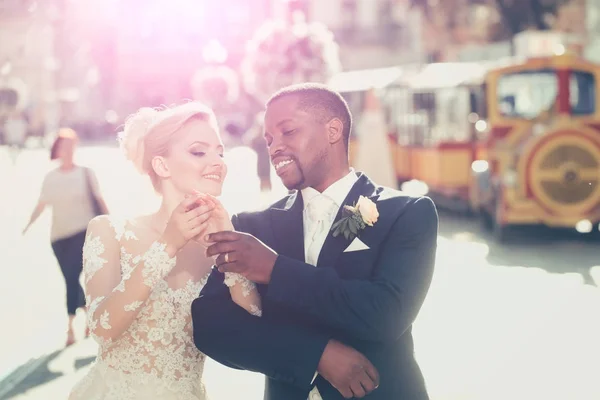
x,y
114,294
243,292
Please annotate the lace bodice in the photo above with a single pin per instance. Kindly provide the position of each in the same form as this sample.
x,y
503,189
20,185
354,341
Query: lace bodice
x,y
139,312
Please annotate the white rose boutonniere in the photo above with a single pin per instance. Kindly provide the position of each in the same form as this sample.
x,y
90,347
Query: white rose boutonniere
x,y
356,218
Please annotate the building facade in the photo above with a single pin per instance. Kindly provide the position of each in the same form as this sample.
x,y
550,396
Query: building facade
x,y
373,33
28,67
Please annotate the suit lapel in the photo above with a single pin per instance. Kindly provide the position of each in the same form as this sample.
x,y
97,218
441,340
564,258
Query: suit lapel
x,y
334,246
288,227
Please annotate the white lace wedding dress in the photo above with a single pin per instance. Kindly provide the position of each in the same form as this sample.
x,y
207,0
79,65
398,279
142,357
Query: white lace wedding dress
x,y
139,301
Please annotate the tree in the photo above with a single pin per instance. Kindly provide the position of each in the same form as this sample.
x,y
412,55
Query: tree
x,y
217,86
281,54
448,24
520,15
506,18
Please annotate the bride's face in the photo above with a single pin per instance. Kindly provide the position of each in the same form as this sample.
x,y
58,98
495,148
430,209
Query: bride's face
x,y
195,160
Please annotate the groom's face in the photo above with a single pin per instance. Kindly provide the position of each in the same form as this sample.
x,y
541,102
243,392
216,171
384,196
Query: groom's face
x,y
297,143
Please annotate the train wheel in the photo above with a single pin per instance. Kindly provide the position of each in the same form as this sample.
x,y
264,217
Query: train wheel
x,y
501,232
490,223
486,220
594,235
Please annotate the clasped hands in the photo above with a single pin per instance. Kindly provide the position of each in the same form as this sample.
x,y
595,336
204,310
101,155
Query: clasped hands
x,y
202,218
196,216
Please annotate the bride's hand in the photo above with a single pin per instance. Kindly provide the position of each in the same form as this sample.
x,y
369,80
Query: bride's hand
x,y
188,221
219,218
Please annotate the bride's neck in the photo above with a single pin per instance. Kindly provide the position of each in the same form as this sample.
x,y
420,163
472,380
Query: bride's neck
x,y
169,203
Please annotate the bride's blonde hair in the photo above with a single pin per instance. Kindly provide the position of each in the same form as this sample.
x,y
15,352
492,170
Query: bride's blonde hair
x,y
149,132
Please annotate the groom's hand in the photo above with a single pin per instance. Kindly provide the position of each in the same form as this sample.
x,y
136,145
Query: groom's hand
x,y
350,372
242,253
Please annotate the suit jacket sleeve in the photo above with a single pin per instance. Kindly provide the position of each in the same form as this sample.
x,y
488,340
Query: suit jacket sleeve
x,y
380,309
230,335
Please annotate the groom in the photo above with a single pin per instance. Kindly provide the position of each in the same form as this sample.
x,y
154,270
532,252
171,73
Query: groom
x,y
340,286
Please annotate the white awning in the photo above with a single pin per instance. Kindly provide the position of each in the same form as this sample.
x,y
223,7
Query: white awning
x,y
362,80
447,75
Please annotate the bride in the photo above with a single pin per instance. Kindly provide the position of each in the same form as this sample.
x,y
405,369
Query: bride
x,y
142,274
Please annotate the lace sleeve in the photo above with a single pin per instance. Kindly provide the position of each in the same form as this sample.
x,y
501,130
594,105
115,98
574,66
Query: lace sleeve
x,y
114,295
244,293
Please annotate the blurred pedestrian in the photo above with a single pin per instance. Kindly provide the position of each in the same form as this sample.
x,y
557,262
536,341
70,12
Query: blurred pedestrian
x,y
257,143
15,131
73,193
374,157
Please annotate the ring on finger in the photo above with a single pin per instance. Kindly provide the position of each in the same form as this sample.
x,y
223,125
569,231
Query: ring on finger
x,y
226,257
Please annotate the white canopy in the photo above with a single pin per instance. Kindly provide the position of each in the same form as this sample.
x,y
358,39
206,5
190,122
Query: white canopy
x,y
447,75
362,80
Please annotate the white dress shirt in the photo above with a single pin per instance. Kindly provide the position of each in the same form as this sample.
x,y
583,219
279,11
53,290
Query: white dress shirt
x,y
318,216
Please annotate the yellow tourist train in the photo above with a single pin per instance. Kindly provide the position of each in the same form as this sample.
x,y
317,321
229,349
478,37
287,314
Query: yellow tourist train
x,y
515,141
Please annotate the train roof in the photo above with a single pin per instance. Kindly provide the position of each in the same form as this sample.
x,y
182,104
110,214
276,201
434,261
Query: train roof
x,y
447,75
365,79
426,76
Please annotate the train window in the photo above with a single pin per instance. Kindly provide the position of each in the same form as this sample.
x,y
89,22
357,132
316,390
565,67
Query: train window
x,y
527,94
582,93
478,112
483,113
478,101
473,102
402,116
424,118
453,124
424,101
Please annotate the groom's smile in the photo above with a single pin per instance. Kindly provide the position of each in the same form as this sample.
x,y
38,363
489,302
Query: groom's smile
x,y
281,164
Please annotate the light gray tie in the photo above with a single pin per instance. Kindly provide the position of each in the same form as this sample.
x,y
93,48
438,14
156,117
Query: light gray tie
x,y
319,212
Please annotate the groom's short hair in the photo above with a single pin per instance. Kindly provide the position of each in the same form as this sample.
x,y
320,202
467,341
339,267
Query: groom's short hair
x,y
324,101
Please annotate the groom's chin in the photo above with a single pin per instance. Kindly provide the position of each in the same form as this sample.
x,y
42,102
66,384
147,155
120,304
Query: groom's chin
x,y
296,184
292,179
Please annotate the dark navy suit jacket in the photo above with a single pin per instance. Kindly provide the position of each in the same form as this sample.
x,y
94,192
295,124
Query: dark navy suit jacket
x,y
367,299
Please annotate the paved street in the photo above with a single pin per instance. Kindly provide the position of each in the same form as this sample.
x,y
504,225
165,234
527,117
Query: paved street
x,y
519,321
